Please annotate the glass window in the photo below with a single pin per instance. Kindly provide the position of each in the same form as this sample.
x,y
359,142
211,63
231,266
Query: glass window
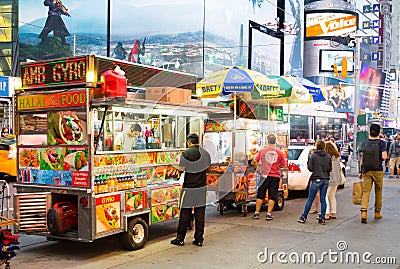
x,y
294,154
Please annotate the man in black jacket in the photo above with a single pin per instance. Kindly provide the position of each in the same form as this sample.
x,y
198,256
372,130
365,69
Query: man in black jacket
x,y
320,164
196,162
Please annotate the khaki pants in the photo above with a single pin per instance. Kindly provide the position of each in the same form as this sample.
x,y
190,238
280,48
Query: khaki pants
x,y
372,177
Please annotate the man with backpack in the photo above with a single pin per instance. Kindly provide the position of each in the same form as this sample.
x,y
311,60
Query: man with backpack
x,y
394,155
372,156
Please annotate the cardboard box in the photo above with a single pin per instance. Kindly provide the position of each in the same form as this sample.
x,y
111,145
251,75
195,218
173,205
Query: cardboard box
x,y
168,94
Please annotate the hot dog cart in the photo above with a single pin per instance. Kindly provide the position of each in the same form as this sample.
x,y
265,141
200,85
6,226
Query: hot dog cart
x,y
233,146
93,159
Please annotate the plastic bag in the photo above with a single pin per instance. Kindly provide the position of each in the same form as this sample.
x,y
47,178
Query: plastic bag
x,y
182,178
342,178
357,192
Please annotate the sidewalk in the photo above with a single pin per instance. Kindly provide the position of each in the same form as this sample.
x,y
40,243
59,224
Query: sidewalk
x,y
233,241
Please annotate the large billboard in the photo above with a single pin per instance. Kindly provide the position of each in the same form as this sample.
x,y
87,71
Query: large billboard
x,y
372,83
323,24
194,36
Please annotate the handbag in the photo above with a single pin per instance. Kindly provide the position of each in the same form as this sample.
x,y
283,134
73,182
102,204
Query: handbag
x,y
342,178
357,192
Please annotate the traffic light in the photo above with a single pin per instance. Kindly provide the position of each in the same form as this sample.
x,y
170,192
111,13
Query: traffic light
x,y
344,67
335,70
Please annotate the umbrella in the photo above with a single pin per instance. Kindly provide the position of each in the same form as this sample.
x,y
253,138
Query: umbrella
x,y
314,89
236,79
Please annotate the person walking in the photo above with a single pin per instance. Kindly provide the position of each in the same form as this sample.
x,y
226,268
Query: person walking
x,y
394,156
334,181
195,161
272,160
373,152
345,151
320,164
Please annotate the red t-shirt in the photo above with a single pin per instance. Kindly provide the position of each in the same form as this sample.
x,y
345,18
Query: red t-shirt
x,y
272,160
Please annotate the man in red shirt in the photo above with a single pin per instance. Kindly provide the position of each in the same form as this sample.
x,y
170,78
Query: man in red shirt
x,y
272,160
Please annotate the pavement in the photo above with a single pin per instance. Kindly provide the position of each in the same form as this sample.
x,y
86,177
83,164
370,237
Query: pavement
x,y
234,241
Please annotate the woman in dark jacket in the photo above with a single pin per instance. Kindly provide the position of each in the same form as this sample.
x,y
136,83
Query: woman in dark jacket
x,y
320,164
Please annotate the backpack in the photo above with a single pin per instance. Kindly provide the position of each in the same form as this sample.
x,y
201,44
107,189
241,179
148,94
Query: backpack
x,y
371,155
396,149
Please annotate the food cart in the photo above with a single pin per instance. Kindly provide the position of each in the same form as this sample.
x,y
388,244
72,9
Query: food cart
x,y
233,146
76,180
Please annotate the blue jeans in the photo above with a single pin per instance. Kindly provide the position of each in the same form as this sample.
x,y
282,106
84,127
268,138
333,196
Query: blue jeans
x,y
322,186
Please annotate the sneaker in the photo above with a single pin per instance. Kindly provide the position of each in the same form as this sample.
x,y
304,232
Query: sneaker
x,y
397,177
269,216
177,242
391,177
321,221
256,216
197,243
302,219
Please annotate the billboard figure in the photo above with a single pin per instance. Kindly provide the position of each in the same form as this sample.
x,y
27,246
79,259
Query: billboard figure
x,y
54,21
119,52
137,50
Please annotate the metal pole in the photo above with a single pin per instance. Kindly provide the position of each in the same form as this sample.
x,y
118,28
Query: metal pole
x,y
108,27
356,95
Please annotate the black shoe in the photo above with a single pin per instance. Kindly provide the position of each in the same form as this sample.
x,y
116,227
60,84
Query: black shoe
x,y
177,242
321,221
197,243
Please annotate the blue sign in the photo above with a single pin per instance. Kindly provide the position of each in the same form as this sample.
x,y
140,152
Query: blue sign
x,y
375,40
375,56
367,9
366,25
365,40
376,7
4,86
376,23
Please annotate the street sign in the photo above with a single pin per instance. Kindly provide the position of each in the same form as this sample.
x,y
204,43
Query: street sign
x,y
366,40
376,7
375,40
366,25
367,9
375,56
376,23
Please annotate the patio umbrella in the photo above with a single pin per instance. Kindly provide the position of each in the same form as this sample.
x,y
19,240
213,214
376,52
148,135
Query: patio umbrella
x,y
314,89
236,79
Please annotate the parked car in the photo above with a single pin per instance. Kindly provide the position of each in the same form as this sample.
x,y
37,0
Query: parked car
x,y
8,158
298,176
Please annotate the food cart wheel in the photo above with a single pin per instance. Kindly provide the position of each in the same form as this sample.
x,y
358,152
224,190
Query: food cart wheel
x,y
137,234
280,203
244,210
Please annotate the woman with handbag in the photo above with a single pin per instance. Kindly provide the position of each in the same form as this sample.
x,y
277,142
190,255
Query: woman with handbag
x,y
334,181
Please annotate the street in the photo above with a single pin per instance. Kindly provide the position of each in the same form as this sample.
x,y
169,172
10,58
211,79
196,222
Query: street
x,y
233,241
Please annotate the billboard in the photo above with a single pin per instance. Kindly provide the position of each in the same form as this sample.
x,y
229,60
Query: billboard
x,y
193,36
372,83
322,24
339,98
265,53
329,57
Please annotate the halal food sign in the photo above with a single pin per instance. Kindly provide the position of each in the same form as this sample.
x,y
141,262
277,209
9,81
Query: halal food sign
x,y
54,100
54,73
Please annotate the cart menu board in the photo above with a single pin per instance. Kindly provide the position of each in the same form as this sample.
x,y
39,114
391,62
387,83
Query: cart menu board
x,y
57,166
136,200
165,203
108,213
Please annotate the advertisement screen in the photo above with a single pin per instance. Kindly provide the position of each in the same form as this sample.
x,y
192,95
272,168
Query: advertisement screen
x,y
371,88
330,24
266,53
339,98
329,57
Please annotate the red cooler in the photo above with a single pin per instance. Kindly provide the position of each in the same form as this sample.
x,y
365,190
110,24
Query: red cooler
x,y
113,83
62,217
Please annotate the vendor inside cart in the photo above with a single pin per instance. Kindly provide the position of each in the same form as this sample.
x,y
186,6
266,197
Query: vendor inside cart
x,y
127,139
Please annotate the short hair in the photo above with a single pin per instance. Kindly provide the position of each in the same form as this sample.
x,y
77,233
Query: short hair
x,y
320,145
193,138
374,130
271,138
136,127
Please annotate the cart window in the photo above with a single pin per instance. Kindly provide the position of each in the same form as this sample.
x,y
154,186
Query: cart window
x,y
294,154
